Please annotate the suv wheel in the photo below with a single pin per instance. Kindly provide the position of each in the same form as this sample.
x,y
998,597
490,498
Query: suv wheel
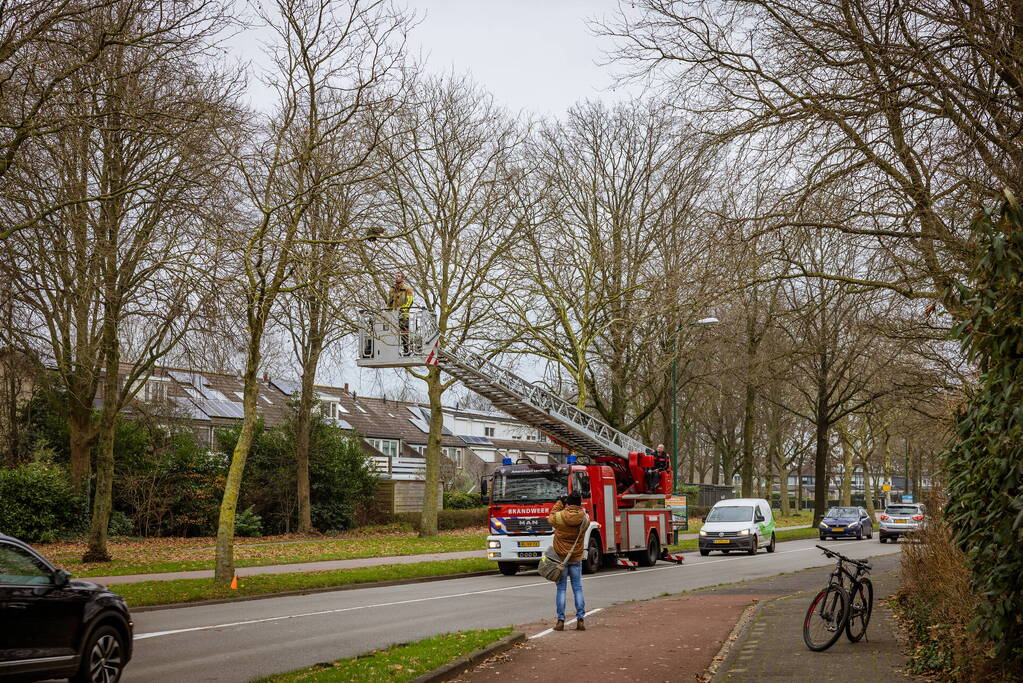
x,y
102,657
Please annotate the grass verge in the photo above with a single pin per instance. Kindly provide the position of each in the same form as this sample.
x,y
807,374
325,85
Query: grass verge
x,y
783,535
147,593
398,662
160,555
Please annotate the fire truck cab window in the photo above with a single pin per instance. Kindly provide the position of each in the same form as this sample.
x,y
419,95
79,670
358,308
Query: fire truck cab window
x,y
581,484
535,486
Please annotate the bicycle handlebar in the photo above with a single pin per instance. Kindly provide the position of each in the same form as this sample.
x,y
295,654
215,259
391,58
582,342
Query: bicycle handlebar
x,y
859,563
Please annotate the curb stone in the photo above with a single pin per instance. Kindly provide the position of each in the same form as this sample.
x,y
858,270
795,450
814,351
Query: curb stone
x,y
306,591
453,669
740,634
737,635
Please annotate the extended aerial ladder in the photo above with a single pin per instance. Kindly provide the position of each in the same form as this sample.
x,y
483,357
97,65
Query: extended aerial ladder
x,y
394,339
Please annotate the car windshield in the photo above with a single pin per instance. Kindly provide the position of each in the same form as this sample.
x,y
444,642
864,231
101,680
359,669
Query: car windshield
x,y
902,510
842,513
731,513
533,486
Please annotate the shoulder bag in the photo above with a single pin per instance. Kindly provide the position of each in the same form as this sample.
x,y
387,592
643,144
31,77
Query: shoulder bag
x,y
551,565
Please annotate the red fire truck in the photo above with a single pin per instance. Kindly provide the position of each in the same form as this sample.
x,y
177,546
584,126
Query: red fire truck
x,y
629,521
623,484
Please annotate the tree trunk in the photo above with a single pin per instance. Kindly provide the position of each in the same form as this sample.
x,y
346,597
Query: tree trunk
x,y
847,473
799,488
81,434
783,488
747,440
303,421
435,390
820,470
224,571
868,490
103,498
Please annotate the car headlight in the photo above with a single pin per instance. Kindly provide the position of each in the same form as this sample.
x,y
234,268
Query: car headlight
x,y
703,532
744,532
493,544
493,555
823,524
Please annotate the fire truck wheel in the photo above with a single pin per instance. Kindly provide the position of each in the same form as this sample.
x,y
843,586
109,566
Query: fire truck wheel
x,y
653,551
508,568
594,558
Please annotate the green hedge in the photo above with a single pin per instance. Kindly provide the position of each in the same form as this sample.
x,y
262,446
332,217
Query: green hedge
x,y
448,519
37,504
456,500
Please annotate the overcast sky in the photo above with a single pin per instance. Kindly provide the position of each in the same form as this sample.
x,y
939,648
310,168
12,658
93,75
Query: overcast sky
x,y
537,57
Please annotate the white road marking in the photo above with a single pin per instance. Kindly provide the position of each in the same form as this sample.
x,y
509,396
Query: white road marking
x,y
551,630
156,634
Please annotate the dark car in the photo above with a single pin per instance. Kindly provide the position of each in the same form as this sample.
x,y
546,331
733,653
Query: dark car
x,y
846,521
54,627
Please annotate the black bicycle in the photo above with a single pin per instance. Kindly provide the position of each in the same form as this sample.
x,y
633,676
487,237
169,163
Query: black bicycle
x,y
844,604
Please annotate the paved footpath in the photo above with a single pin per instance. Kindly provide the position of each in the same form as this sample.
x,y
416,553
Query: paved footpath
x,y
767,646
327,565
771,647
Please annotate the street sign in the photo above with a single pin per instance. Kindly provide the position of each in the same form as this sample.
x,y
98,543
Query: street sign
x,y
679,512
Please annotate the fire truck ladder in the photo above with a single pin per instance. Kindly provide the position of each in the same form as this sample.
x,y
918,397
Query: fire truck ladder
x,y
381,347
536,407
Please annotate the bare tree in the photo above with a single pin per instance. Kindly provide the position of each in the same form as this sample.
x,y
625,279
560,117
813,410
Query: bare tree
x,y
913,108
332,63
449,188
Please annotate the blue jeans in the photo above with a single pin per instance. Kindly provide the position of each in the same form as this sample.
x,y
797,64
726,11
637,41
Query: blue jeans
x,y
575,571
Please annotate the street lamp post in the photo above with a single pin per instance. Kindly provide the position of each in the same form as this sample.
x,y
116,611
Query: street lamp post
x,y
674,399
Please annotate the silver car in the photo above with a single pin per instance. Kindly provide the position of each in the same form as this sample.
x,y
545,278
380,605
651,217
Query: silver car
x,y
899,519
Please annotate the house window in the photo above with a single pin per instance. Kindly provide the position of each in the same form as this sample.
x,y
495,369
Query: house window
x,y
388,447
488,431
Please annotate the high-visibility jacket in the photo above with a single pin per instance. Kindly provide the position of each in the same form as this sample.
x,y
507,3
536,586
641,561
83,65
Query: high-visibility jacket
x,y
401,297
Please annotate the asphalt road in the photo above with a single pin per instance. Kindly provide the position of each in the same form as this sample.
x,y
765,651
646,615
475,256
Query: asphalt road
x,y
243,640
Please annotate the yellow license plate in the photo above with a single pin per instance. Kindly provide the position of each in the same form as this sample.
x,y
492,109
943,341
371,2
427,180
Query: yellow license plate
x,y
899,521
529,544
838,528
721,540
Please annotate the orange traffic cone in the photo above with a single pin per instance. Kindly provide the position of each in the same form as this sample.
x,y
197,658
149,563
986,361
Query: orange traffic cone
x,y
234,583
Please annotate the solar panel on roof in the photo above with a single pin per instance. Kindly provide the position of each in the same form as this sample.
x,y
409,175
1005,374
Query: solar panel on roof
x,y
183,377
190,408
343,424
480,440
423,427
288,387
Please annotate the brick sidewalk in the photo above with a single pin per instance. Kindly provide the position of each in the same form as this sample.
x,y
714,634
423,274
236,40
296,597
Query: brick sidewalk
x,y
772,649
769,647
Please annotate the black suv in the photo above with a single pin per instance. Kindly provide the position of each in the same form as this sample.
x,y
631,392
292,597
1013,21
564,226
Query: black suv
x,y
55,627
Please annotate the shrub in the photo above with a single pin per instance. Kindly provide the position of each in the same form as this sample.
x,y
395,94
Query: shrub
x,y
248,523
120,524
984,463
448,519
37,503
456,500
936,603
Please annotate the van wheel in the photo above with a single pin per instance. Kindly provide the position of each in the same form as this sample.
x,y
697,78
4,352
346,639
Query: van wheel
x,y
753,546
508,568
770,546
653,551
704,552
594,556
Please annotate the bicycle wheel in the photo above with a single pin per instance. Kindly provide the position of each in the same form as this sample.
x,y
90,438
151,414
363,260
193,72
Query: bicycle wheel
x,y
861,604
825,618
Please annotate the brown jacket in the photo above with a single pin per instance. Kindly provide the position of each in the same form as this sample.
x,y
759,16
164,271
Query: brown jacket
x,y
567,521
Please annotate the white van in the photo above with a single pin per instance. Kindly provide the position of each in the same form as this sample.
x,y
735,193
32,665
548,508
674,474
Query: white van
x,y
738,524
